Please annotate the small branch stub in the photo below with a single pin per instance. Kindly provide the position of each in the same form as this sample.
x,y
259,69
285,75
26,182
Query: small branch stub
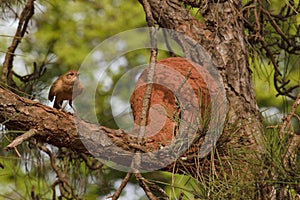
x,y
20,139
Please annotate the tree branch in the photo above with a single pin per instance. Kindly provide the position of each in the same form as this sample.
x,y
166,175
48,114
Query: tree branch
x,y
61,129
116,195
20,139
143,183
288,119
26,15
63,180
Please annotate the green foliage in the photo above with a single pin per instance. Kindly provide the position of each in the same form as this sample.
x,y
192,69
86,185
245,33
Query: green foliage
x,y
21,176
282,161
71,29
277,169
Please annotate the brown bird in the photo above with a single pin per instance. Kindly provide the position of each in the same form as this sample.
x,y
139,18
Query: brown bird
x,y
66,87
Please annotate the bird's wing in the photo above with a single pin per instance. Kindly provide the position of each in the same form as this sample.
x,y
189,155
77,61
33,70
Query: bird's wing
x,y
52,91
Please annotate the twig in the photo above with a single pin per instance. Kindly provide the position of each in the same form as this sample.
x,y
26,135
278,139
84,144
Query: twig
x,y
146,99
287,120
147,95
63,181
144,185
163,194
277,28
151,68
17,152
293,140
116,195
26,15
95,164
187,76
257,16
20,139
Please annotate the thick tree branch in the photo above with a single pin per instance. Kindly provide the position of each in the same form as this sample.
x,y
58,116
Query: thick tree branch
x,y
53,126
65,130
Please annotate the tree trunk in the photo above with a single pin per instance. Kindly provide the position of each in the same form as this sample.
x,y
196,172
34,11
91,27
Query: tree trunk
x,y
222,36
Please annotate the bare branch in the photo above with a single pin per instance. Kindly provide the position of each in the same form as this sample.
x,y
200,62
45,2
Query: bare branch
x,y
287,120
116,195
20,139
92,163
26,15
151,68
63,181
143,183
280,36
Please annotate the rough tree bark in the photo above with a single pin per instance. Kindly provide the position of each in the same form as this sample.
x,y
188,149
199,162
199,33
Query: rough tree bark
x,y
52,126
222,35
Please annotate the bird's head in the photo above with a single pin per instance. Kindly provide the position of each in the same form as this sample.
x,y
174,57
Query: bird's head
x,y
71,75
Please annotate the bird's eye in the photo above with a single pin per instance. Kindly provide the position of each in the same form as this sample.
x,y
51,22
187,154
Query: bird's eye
x,y
72,74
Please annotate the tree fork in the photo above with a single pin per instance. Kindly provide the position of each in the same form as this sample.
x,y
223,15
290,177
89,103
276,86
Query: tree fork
x,y
223,37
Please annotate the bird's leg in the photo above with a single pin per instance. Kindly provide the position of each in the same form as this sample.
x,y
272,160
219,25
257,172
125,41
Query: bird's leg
x,y
63,107
57,105
70,103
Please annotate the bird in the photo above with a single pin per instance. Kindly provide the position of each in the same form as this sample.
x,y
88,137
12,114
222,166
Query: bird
x,y
66,87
